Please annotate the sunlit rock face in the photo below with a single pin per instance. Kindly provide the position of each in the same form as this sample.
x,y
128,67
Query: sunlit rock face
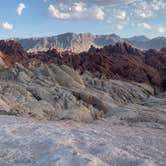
x,y
51,92
82,42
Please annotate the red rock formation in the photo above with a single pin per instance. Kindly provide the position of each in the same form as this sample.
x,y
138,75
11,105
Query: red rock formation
x,y
120,61
12,52
157,59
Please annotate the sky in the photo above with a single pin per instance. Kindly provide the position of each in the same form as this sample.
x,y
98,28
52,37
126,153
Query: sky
x,y
37,18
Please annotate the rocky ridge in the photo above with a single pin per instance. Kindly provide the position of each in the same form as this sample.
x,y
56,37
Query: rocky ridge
x,y
120,61
83,41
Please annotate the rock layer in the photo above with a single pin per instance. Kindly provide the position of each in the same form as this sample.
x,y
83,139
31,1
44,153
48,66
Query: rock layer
x,y
121,61
53,92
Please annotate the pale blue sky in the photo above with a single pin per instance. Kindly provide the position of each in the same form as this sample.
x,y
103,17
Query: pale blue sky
x,y
33,18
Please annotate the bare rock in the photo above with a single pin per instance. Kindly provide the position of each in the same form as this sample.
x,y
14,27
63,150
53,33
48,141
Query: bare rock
x,y
28,142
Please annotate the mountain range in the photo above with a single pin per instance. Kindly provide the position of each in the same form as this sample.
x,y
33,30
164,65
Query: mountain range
x,y
83,41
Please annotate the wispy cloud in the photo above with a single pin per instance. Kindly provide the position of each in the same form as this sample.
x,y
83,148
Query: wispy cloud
x,y
20,8
119,13
158,4
76,11
96,2
7,26
54,12
145,25
161,29
119,26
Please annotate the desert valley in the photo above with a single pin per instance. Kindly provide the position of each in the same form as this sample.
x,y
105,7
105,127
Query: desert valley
x,y
115,93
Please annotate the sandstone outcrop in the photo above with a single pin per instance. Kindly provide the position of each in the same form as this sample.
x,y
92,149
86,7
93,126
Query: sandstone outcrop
x,y
53,92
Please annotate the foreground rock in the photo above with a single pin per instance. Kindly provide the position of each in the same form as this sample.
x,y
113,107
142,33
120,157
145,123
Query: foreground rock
x,y
50,92
27,142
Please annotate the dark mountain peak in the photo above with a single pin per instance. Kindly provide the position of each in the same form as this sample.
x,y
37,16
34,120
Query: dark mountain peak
x,y
163,49
55,50
12,52
114,35
125,47
9,43
123,44
11,47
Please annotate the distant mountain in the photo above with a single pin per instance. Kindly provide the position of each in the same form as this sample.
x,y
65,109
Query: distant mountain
x,y
103,40
82,42
138,39
69,41
145,43
72,41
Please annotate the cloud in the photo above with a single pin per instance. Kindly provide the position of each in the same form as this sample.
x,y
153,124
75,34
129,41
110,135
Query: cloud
x,y
158,4
121,15
20,8
98,2
79,7
117,12
161,29
119,26
145,25
55,13
97,12
75,11
7,26
146,14
142,10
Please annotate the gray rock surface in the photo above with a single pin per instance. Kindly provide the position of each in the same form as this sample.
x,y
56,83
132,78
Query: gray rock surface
x,y
27,142
42,108
53,92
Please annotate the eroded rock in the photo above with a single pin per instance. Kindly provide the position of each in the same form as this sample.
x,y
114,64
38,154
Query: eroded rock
x,y
58,92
